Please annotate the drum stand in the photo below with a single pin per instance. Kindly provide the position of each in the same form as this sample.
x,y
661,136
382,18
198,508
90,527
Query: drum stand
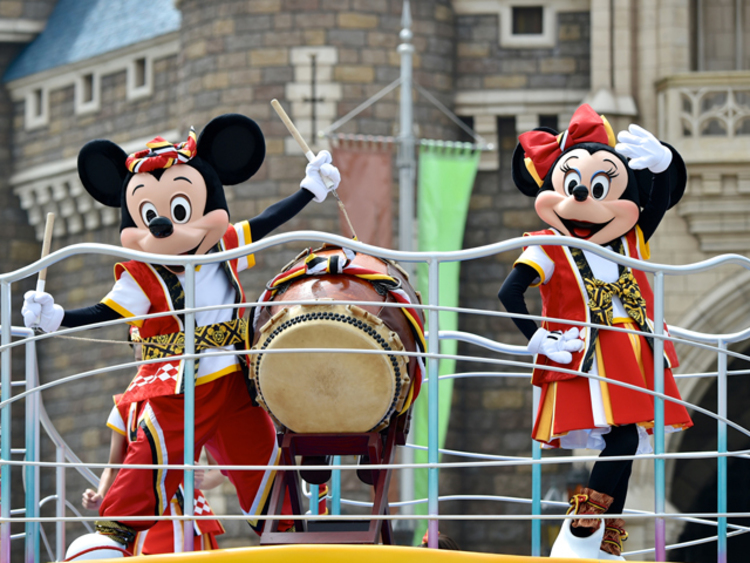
x,y
379,447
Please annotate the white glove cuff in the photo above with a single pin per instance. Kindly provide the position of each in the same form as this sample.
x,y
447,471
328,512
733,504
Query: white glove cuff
x,y
537,340
664,162
318,189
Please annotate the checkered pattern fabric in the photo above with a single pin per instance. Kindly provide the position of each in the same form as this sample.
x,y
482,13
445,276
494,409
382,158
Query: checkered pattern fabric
x,y
165,373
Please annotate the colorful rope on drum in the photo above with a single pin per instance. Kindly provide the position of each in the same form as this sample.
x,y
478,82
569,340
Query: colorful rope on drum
x,y
315,265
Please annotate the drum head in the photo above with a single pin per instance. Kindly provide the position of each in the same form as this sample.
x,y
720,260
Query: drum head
x,y
329,392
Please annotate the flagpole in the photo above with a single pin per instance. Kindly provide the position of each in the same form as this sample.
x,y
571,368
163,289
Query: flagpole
x,y
406,169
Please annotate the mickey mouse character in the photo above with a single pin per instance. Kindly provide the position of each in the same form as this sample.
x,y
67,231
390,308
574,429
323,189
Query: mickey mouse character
x,y
614,195
172,201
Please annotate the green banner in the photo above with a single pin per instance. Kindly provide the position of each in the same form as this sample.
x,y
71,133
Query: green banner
x,y
446,178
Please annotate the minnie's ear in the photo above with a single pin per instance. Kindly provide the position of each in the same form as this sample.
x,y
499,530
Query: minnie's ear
x,y
677,173
234,147
524,181
677,177
101,166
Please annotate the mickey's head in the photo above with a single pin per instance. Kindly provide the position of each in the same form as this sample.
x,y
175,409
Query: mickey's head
x,y
584,188
172,196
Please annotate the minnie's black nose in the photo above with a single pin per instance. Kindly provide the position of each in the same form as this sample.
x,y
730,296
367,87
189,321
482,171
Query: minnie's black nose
x,y
161,227
579,192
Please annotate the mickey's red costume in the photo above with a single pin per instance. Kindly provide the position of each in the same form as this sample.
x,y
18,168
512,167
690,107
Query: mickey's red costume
x,y
164,536
585,187
172,201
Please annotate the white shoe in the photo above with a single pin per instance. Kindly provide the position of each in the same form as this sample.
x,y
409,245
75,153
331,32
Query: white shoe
x,y
572,547
607,556
95,546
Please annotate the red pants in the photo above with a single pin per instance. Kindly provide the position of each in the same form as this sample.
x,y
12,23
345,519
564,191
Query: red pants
x,y
235,432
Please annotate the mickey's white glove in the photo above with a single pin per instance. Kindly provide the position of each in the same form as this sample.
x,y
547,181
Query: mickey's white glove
x,y
321,166
39,310
556,345
643,149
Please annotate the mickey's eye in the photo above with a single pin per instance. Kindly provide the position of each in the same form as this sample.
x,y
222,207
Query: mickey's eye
x,y
572,179
600,186
148,212
181,209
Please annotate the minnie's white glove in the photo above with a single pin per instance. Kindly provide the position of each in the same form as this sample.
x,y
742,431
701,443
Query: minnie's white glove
x,y
643,149
321,166
556,345
39,310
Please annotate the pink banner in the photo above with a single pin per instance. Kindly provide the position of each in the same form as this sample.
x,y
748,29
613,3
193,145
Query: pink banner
x,y
366,180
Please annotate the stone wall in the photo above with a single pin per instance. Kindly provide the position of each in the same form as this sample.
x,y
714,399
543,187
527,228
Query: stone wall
x,y
482,63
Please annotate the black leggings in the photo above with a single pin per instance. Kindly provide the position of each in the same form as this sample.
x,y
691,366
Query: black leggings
x,y
611,477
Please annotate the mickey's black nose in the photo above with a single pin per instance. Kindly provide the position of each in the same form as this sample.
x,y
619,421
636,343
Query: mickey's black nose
x,y
161,227
579,192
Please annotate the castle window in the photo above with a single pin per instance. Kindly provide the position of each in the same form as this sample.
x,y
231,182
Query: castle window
x,y
528,20
140,78
530,24
87,93
36,113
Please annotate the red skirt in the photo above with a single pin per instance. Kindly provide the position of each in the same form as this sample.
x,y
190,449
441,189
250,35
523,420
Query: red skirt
x,y
571,405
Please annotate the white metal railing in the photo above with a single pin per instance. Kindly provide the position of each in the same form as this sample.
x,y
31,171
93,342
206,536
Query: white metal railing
x,y
66,459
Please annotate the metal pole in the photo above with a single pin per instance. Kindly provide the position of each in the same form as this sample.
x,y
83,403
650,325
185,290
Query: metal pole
x,y
30,472
5,380
314,495
721,493
433,399
536,484
60,506
189,399
406,165
660,525
336,487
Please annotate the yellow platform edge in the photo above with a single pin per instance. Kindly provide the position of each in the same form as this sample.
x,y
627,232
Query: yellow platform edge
x,y
342,554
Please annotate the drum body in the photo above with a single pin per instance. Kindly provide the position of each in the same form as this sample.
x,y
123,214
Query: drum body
x,y
334,392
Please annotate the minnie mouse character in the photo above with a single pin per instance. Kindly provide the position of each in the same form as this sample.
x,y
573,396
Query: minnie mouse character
x,y
614,195
172,201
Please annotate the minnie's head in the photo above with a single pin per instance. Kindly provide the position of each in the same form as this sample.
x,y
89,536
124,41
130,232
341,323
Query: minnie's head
x,y
172,196
583,187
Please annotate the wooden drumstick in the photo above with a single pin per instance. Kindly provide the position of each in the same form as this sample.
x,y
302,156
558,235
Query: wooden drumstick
x,y
310,157
46,243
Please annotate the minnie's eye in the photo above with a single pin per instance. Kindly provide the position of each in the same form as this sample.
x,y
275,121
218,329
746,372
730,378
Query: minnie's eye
x,y
181,209
148,212
572,179
600,186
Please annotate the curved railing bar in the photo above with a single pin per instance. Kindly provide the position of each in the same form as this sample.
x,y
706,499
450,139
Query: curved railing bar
x,y
691,338
320,237
512,462
477,359
336,517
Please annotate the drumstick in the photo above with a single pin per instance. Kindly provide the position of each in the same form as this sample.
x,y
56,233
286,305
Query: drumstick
x,y
46,243
310,156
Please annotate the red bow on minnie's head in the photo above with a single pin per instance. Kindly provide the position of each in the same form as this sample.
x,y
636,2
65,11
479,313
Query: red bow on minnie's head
x,y
542,149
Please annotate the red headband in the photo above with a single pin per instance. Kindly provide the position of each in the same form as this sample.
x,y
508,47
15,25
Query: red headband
x,y
162,154
541,149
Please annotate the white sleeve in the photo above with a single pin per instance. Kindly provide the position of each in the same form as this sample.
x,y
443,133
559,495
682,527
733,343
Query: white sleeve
x,y
245,237
535,257
115,422
127,298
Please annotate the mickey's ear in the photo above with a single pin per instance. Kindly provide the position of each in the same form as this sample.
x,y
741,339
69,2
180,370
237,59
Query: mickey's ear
x,y
234,147
101,166
524,181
